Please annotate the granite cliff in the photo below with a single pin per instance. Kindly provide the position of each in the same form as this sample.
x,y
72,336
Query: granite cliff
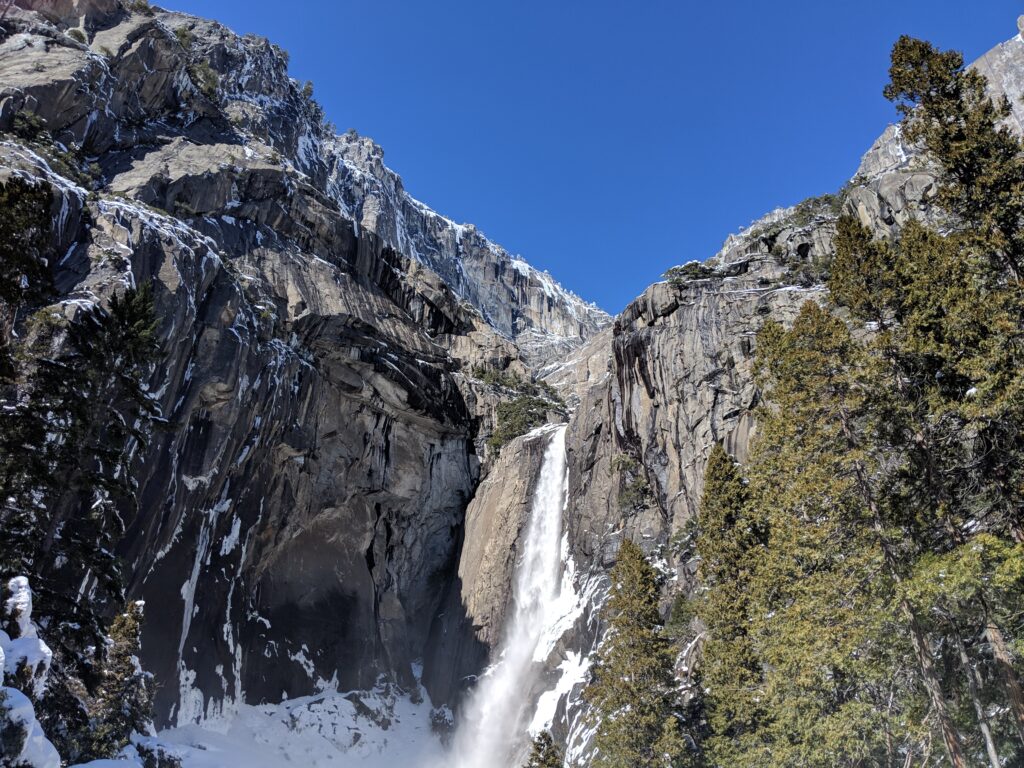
x,y
320,330
322,510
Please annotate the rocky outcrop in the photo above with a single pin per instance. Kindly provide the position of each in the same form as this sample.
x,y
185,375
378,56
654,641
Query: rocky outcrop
x,y
521,302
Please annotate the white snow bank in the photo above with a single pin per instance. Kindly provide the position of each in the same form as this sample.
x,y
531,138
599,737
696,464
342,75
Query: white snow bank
x,y
371,730
26,659
313,732
37,751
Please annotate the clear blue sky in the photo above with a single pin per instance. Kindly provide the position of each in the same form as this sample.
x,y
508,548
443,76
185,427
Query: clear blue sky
x,y
606,141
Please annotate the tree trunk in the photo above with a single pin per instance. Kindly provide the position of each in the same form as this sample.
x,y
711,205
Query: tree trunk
x,y
1004,660
926,664
973,687
922,653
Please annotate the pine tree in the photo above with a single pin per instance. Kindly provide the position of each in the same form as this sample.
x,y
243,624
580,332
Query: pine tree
x,y
24,235
125,700
947,107
634,692
24,280
862,277
961,346
77,410
544,753
730,667
84,385
820,607
949,392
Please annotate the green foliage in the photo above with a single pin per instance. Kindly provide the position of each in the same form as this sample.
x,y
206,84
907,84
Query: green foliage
x,y
13,733
205,78
77,34
184,36
731,670
517,417
24,240
863,272
802,268
692,270
516,383
527,410
29,126
680,615
827,206
634,491
864,583
124,702
820,607
623,462
307,90
141,6
947,107
82,381
155,756
544,753
76,407
71,162
805,213
634,494
634,694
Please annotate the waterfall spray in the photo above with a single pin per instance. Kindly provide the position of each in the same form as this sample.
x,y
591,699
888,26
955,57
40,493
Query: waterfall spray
x,y
492,730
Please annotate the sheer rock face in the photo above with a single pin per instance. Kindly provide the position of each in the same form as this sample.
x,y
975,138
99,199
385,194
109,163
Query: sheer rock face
x,y
295,519
472,617
679,381
298,520
521,302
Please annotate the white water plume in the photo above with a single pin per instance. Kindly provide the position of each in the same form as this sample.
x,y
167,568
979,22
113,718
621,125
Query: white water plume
x,y
492,732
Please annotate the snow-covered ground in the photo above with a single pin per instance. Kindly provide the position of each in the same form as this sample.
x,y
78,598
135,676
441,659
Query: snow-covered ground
x,y
375,731
370,730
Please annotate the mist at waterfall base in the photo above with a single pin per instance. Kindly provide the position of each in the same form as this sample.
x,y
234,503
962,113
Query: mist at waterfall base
x,y
494,726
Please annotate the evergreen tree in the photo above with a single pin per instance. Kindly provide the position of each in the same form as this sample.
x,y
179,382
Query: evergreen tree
x,y
82,390
730,667
70,424
544,753
970,330
947,107
950,380
820,594
906,376
124,702
24,235
945,417
634,692
886,478
24,280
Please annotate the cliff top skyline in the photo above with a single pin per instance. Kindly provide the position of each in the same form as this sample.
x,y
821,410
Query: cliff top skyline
x,y
565,135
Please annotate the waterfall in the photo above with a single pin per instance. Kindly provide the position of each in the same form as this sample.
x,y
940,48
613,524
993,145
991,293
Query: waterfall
x,y
492,729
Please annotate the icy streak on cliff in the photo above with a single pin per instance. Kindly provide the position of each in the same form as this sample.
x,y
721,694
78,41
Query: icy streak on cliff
x,y
492,729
